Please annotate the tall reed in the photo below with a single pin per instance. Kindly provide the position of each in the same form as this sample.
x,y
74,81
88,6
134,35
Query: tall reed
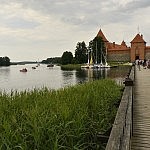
x,y
71,67
65,119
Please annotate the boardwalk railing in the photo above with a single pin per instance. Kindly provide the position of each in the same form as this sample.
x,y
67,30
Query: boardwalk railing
x,y
122,128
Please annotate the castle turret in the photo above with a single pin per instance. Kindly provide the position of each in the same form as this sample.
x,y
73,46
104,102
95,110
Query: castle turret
x,y
123,43
138,46
100,34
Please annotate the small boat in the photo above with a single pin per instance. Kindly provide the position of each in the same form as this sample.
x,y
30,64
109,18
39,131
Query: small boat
x,y
23,70
50,65
33,67
87,66
37,65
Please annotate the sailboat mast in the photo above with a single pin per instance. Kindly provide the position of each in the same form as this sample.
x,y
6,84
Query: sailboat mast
x,y
88,57
106,57
91,60
96,52
101,54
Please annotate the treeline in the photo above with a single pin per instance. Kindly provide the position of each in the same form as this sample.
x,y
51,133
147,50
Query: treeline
x,y
55,60
4,61
82,53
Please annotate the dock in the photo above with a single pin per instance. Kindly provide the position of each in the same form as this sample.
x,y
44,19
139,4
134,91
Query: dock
x,y
141,111
131,128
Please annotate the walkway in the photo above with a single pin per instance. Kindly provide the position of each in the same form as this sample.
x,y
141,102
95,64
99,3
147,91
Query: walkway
x,y
141,111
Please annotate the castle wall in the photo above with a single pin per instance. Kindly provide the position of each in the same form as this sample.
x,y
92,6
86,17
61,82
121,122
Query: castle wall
x,y
119,56
121,52
147,54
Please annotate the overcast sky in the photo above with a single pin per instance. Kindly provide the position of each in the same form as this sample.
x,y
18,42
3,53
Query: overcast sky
x,y
39,29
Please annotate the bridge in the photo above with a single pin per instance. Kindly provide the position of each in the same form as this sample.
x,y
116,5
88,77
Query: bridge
x,y
131,128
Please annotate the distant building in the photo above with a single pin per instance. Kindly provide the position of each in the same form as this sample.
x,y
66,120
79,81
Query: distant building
x,y
121,52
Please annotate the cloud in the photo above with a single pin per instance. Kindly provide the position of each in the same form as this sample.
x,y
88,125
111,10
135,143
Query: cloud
x,y
50,27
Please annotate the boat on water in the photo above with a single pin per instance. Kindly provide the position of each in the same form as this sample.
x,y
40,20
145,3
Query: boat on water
x,y
23,70
33,67
50,65
103,64
38,63
90,64
96,65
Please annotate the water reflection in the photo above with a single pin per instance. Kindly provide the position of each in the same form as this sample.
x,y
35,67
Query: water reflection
x,y
91,74
4,74
12,79
118,74
69,77
4,71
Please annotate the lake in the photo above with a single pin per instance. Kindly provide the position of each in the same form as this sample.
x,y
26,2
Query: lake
x,y
54,78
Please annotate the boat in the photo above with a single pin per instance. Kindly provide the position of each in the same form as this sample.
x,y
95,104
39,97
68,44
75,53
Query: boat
x,y
33,67
105,64
90,63
50,65
105,58
99,65
86,66
38,63
96,65
23,70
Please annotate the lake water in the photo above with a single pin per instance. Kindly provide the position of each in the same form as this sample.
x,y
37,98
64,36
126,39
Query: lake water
x,y
54,78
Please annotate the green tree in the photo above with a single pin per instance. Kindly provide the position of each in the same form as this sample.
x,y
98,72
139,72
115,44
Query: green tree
x,y
4,61
66,58
55,60
81,53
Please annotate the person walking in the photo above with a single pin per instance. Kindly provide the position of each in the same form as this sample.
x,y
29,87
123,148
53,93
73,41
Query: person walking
x,y
138,64
144,64
148,64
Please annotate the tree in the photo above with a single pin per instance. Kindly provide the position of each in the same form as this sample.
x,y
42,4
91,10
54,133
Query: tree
x,y
81,53
55,60
66,58
4,61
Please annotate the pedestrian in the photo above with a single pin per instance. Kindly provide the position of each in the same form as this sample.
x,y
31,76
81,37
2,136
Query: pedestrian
x,y
144,63
138,64
148,64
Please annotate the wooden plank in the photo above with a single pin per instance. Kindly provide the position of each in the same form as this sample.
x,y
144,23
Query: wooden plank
x,y
141,111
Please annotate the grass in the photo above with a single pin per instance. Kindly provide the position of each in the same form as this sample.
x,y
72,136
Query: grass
x,y
67,119
71,67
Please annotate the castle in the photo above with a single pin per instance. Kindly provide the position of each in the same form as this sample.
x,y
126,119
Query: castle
x,y
121,52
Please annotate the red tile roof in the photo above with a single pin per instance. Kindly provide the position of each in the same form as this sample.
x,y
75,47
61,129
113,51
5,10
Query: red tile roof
x,y
123,43
100,34
113,46
138,39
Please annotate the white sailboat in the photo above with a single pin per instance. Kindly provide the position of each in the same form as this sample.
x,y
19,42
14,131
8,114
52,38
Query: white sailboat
x,y
96,64
101,65
105,57
90,63
105,64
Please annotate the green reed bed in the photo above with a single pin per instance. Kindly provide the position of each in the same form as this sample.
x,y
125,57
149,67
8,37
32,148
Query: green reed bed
x,y
71,67
66,119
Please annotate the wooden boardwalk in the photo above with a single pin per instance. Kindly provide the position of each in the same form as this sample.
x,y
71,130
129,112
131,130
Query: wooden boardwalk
x,y
141,111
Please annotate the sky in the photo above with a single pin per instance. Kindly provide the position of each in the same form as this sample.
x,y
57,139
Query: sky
x,y
34,30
